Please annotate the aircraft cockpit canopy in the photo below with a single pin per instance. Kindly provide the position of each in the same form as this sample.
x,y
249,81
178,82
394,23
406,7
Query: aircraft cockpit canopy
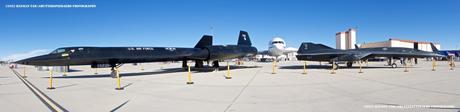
x,y
277,42
60,50
68,50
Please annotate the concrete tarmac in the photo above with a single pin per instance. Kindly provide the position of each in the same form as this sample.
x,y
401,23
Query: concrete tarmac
x,y
253,88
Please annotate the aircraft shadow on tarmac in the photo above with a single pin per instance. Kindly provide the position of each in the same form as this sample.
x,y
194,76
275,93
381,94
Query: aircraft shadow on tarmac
x,y
341,67
160,72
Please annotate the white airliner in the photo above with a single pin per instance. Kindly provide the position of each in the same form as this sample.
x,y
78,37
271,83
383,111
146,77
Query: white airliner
x,y
277,47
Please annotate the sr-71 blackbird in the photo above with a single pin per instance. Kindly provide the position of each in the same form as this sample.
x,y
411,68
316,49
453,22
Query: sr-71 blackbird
x,y
116,56
319,52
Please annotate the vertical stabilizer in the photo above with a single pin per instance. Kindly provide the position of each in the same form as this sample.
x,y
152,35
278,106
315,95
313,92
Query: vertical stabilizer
x,y
308,47
433,48
206,40
243,39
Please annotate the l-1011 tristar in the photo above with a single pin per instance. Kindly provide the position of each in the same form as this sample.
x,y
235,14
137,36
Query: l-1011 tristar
x,y
276,48
319,52
115,56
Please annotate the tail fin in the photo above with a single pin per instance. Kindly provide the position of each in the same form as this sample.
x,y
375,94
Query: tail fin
x,y
433,48
356,46
206,40
243,39
308,46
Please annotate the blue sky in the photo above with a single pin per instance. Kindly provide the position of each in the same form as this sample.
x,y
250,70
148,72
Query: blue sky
x,y
181,23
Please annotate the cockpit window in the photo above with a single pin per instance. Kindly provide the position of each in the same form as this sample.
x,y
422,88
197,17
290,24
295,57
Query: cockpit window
x,y
58,51
276,42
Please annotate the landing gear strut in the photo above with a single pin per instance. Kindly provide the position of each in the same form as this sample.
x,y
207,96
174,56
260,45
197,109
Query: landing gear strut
x,y
349,64
394,65
184,64
198,64
215,65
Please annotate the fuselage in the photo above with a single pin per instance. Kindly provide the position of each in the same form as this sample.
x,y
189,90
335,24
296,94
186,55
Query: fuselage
x,y
204,50
353,54
104,55
223,52
115,55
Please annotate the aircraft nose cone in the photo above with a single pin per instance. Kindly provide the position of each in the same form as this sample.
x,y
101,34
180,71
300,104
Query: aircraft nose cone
x,y
279,47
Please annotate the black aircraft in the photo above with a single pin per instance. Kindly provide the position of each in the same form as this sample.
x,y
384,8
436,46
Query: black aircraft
x,y
116,56
319,52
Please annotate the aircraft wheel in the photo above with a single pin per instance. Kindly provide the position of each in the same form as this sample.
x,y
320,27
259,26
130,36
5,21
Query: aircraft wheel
x,y
215,64
349,64
394,65
198,64
184,64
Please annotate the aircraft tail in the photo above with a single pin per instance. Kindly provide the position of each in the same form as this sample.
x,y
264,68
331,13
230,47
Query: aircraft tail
x,y
206,40
243,39
308,46
433,48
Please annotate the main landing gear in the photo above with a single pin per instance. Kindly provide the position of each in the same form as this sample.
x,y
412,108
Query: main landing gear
x,y
200,64
392,63
349,64
215,65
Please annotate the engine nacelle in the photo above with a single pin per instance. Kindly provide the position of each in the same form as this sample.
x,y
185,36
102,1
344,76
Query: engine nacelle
x,y
230,52
201,54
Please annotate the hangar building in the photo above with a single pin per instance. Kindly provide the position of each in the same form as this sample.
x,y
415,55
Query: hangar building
x,y
345,40
392,42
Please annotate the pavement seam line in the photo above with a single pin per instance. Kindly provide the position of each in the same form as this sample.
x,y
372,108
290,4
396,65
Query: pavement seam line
x,y
241,91
51,104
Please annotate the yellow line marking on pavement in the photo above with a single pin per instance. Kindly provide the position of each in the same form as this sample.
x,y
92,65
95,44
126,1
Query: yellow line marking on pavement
x,y
51,104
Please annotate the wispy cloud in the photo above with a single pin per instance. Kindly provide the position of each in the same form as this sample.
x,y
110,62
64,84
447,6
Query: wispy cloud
x,y
20,56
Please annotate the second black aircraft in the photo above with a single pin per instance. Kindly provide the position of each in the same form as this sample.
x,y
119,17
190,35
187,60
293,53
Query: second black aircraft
x,y
319,52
